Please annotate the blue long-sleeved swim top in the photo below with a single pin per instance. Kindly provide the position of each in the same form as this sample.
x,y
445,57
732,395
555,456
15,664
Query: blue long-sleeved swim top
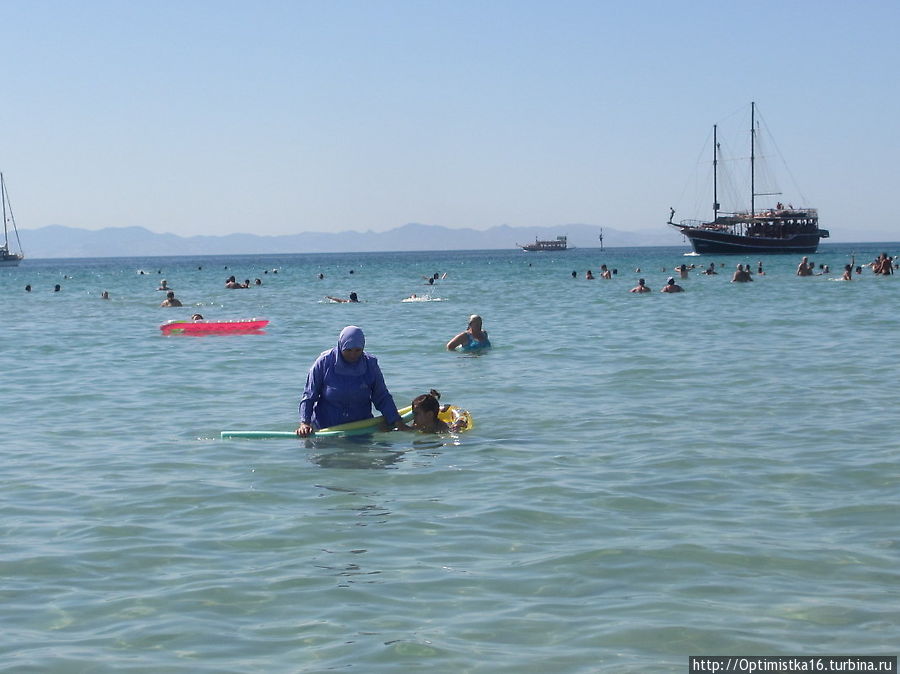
x,y
332,398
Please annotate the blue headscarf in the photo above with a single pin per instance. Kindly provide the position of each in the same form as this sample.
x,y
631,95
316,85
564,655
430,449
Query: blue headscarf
x,y
351,337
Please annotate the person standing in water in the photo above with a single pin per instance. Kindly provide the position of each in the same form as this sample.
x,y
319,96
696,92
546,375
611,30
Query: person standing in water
x,y
473,338
343,384
641,287
671,287
171,300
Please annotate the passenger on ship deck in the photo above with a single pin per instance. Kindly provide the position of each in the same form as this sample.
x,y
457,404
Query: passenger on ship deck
x,y
343,384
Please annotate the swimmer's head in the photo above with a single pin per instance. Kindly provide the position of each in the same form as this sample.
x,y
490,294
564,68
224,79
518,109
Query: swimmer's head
x,y
474,318
670,282
427,402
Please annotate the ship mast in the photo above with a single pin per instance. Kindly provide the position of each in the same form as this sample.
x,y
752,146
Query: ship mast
x,y
3,197
752,159
715,173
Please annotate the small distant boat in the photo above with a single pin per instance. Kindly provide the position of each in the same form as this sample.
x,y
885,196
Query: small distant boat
x,y
776,229
559,243
7,257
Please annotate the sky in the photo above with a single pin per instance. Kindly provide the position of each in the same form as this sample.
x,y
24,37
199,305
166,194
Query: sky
x,y
209,117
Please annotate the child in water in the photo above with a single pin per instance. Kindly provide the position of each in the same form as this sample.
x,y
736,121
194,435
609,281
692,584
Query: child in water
x,y
426,409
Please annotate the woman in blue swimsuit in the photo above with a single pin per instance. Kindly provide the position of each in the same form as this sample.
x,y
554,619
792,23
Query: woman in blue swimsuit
x,y
472,339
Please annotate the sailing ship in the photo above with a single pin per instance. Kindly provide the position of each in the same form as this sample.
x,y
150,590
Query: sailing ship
x,y
559,243
7,257
775,229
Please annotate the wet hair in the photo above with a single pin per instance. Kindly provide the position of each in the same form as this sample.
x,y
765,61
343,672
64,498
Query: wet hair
x,y
430,402
353,297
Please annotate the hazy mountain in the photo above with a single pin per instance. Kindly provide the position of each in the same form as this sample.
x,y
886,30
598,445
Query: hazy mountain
x,y
57,241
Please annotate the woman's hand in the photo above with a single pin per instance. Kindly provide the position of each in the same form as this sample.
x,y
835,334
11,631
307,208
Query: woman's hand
x,y
305,430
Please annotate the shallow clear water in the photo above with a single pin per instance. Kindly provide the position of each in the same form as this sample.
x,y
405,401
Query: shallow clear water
x,y
650,477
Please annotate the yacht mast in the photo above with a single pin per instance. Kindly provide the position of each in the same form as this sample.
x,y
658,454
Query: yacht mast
x,y
3,198
715,173
752,159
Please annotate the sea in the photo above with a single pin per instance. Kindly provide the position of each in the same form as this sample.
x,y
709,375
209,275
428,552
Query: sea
x,y
649,476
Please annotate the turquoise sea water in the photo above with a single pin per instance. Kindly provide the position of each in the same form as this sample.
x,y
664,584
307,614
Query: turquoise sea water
x,y
650,476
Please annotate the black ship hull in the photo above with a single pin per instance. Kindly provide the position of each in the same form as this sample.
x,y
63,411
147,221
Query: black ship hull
x,y
9,259
705,241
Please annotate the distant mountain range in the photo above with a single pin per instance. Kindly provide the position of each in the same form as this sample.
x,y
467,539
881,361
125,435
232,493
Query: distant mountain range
x,y
56,241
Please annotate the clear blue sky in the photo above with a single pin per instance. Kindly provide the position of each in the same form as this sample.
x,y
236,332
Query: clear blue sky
x,y
213,117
